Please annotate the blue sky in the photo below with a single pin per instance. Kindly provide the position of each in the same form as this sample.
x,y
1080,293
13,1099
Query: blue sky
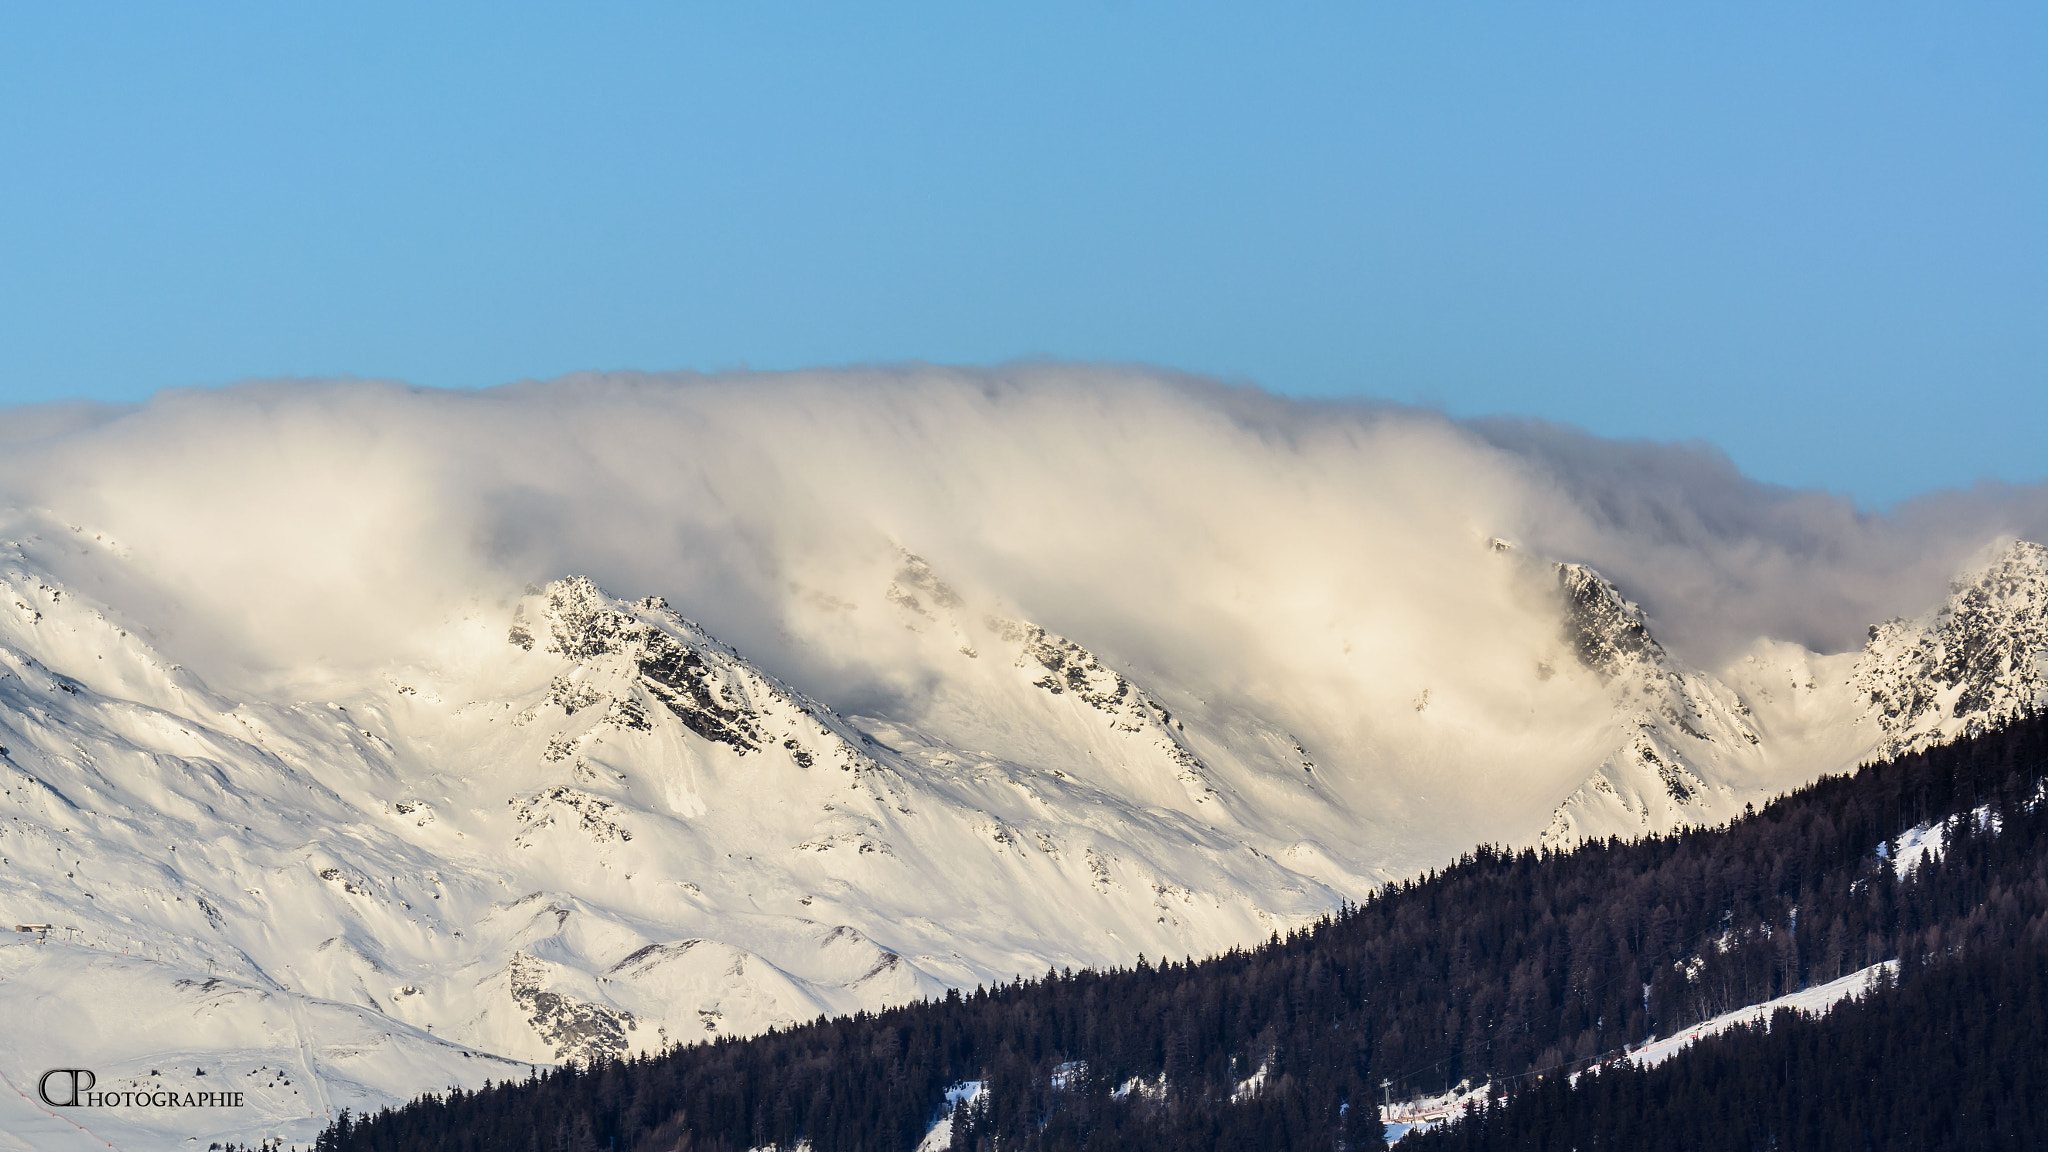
x,y
1813,235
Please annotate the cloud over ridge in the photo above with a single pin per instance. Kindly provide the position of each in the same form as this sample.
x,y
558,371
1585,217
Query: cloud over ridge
x,y
1174,519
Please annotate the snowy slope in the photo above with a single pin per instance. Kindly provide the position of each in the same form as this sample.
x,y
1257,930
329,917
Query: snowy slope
x,y
1694,747
1423,1113
587,828
1814,1001
1686,746
564,824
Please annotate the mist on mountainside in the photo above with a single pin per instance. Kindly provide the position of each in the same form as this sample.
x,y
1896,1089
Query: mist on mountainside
x,y
1197,526
566,720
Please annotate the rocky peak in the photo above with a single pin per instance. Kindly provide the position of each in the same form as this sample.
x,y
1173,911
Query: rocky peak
x,y
1682,732
1977,662
916,585
712,698
1073,671
1609,632
584,623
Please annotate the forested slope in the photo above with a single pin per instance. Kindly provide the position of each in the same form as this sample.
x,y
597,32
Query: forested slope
x,y
1503,964
1956,1059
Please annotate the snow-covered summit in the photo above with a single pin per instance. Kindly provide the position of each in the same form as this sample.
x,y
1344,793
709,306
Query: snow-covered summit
x,y
1685,745
1609,632
633,664
1978,661
1702,745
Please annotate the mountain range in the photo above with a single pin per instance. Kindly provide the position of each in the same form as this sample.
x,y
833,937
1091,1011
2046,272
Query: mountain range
x,y
588,827
287,819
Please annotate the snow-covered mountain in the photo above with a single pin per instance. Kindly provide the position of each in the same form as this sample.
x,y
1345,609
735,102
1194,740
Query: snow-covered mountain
x,y
424,837
1977,661
1687,747
588,828
1697,747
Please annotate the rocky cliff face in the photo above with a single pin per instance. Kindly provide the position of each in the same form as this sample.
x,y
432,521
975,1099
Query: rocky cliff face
x,y
1685,740
1609,633
1075,672
632,665
1976,662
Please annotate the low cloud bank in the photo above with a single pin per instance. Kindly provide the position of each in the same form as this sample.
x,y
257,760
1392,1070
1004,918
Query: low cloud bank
x,y
272,527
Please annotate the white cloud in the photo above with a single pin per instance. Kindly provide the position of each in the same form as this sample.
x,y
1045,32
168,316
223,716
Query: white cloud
x,y
1240,539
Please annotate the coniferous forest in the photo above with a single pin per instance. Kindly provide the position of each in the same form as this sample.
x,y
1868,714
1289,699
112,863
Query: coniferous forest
x,y
1511,967
1950,1061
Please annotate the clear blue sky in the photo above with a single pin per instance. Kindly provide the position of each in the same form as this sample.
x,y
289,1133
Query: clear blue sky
x,y
1815,235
